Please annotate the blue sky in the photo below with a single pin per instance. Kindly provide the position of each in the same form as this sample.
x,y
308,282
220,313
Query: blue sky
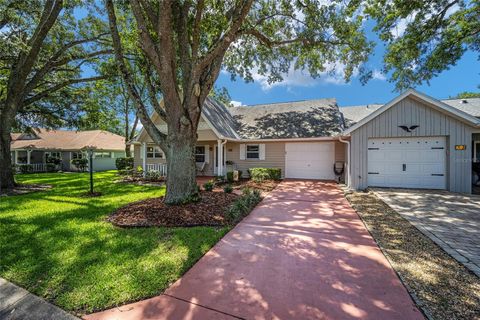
x,y
464,76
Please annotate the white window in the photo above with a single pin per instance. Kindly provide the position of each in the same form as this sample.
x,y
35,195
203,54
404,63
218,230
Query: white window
x,y
77,155
200,154
476,151
154,152
103,154
253,151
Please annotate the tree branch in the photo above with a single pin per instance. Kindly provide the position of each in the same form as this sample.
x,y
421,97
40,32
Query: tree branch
x,y
59,86
142,113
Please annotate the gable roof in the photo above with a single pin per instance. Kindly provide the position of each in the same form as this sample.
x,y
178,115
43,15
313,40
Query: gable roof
x,y
362,116
220,119
299,119
69,140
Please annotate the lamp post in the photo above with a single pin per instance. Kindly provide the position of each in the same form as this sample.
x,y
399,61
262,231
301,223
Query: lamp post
x,y
90,150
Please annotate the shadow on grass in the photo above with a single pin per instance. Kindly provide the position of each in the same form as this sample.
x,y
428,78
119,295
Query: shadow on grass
x,y
58,245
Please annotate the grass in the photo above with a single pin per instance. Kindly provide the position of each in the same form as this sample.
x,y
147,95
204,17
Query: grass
x,y
444,288
57,244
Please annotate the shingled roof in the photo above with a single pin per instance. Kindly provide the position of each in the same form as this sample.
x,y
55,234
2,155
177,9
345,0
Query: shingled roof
x,y
68,140
299,119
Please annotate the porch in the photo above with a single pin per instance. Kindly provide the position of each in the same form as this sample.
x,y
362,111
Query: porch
x,y
36,160
209,161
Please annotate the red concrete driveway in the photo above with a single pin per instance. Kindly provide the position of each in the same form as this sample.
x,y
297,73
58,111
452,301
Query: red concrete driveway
x,y
303,253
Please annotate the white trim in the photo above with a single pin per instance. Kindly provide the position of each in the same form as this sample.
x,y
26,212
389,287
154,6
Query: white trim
x,y
411,92
475,142
144,162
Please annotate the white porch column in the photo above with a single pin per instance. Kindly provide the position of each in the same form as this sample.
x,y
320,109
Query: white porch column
x,y
16,157
220,158
29,152
144,164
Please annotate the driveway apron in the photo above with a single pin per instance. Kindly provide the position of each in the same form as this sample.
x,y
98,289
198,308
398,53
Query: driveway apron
x,y
302,253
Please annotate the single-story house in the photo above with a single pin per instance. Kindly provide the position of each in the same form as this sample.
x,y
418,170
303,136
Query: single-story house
x,y
414,141
36,147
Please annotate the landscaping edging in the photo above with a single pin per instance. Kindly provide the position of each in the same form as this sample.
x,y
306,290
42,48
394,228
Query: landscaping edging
x,y
441,286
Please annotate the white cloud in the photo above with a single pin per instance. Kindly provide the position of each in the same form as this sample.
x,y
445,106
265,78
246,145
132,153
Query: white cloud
x,y
334,74
378,75
236,103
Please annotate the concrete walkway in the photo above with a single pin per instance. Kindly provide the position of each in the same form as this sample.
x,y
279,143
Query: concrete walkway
x,y
303,253
18,304
451,220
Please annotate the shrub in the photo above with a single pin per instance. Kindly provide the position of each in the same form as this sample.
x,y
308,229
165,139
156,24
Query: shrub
x,y
230,176
228,188
51,167
208,186
52,160
124,163
243,205
81,164
25,168
153,175
261,174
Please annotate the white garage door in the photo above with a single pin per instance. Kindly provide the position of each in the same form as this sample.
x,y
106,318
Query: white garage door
x,y
312,160
407,162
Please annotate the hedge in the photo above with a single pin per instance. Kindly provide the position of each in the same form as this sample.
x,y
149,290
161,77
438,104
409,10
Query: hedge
x,y
124,163
261,174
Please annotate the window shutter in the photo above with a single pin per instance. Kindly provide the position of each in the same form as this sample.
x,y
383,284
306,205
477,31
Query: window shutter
x,y
243,152
207,153
261,148
141,151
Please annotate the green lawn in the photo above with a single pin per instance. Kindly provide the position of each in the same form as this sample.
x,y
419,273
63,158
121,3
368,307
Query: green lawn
x,y
57,245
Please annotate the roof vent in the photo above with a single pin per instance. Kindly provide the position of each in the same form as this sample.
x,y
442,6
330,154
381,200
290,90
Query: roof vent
x,y
464,101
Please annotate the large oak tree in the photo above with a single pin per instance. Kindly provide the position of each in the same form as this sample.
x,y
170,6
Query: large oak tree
x,y
185,45
43,50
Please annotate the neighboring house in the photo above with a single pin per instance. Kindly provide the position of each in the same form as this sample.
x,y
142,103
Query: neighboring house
x,y
35,148
414,141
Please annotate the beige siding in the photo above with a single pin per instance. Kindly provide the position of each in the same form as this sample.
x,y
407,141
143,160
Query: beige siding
x,y
340,151
274,157
431,123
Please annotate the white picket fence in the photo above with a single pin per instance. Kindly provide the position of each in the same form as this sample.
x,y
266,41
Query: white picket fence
x,y
39,167
159,167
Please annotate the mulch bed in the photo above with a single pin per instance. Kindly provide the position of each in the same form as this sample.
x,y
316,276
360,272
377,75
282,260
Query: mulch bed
x,y
209,211
24,189
442,287
265,186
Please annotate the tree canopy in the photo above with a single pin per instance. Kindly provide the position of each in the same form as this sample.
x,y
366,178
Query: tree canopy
x,y
424,38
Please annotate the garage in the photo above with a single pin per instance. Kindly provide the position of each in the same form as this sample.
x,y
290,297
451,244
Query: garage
x,y
419,162
310,160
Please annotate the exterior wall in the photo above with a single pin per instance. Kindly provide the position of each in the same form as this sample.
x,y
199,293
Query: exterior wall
x,y
66,157
103,164
431,123
274,157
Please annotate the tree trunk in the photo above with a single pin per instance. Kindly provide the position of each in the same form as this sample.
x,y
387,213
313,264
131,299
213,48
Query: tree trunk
x,y
7,180
181,174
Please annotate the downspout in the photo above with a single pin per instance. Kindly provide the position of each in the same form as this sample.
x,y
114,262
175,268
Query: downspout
x,y
348,159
